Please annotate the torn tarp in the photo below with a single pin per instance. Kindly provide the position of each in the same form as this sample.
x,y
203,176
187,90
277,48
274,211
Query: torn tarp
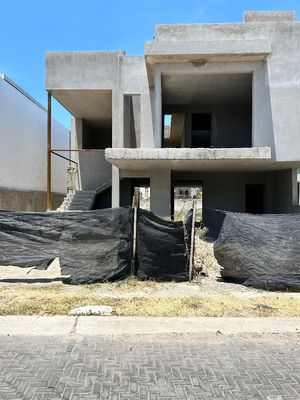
x,y
92,246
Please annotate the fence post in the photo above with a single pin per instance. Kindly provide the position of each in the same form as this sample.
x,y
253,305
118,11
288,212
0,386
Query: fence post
x,y
135,206
192,248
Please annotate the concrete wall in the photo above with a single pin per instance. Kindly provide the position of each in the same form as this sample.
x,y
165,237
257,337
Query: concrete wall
x,y
281,187
23,134
18,200
227,192
134,80
86,70
94,170
232,126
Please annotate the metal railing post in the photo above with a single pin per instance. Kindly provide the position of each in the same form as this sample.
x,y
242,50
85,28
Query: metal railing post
x,y
192,248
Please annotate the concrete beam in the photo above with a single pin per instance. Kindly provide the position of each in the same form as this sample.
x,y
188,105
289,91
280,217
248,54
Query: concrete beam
x,y
209,48
247,153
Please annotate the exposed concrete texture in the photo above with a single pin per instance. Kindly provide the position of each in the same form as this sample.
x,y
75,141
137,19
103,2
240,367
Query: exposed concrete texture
x,y
84,70
232,127
160,186
67,325
18,200
115,192
204,48
255,153
227,191
94,170
41,326
134,81
205,159
265,16
132,121
282,190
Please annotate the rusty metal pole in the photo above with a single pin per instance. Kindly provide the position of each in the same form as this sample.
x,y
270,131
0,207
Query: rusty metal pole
x,y
192,248
49,190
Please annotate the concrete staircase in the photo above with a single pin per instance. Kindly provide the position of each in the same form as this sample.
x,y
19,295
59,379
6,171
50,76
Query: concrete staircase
x,y
81,200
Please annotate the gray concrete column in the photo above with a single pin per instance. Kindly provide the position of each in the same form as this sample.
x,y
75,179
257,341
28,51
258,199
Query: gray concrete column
x,y
76,143
115,187
262,123
157,109
160,192
117,119
295,197
147,133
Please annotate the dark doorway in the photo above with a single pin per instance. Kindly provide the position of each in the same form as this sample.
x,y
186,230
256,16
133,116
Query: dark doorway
x,y
255,199
201,130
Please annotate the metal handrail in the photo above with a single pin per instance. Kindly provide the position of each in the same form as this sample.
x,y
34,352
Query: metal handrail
x,y
70,160
78,150
65,158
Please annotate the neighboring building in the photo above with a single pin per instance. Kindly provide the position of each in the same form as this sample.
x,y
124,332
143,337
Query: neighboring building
x,y
23,154
232,92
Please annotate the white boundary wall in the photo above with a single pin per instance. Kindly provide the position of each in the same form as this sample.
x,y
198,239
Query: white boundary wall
x,y
23,142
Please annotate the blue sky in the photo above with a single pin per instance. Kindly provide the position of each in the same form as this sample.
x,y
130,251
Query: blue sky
x,y
28,28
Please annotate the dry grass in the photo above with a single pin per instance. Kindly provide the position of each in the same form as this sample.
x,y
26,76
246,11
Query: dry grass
x,y
58,299
124,286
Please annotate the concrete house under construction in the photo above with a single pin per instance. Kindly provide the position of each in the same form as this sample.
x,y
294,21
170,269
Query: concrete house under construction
x,y
232,94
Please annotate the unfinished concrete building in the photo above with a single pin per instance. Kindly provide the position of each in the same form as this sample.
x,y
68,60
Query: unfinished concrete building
x,y
232,92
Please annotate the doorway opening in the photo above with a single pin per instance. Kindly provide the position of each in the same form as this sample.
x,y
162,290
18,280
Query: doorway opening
x,y
201,130
182,197
254,199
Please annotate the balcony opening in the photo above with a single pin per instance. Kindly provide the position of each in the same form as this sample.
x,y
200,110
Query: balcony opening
x,y
183,194
208,110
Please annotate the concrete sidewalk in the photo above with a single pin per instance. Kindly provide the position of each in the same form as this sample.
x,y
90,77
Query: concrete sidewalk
x,y
93,325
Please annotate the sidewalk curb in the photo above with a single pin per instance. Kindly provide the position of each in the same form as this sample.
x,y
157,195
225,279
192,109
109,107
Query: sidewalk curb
x,y
95,325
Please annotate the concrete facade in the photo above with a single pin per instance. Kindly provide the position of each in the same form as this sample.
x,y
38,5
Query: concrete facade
x,y
232,93
23,135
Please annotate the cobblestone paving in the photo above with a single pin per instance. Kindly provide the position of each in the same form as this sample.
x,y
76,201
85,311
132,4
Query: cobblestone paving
x,y
211,367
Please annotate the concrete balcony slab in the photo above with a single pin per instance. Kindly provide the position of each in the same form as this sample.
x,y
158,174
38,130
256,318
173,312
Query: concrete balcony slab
x,y
188,159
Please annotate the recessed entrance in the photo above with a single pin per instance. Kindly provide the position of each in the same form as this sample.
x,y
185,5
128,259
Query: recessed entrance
x,y
254,199
201,130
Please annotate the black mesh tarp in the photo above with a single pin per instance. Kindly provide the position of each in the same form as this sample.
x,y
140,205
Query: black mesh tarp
x,y
92,246
260,250
162,247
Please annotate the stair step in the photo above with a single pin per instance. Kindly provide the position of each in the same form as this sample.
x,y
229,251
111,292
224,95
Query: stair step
x,y
85,192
